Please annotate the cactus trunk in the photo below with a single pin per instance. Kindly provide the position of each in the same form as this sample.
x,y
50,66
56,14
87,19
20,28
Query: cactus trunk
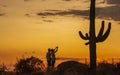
x,y
92,55
92,36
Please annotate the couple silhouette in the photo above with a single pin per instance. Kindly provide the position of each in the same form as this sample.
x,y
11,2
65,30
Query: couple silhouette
x,y
50,56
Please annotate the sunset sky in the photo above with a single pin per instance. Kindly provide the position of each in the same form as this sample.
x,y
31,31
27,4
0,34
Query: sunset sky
x,y
30,27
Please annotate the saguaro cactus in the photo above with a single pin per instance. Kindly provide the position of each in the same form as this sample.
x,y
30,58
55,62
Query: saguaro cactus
x,y
91,36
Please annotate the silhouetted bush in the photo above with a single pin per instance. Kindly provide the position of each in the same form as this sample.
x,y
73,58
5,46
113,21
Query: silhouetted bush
x,y
71,68
29,65
106,69
118,68
2,69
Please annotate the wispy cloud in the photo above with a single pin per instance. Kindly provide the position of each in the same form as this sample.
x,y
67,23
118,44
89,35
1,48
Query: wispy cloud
x,y
26,0
28,15
117,2
48,20
54,10
85,13
111,12
66,0
33,0
70,0
2,14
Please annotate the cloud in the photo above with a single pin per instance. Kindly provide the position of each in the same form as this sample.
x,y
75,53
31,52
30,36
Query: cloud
x,y
47,20
26,0
32,0
2,14
28,15
85,13
45,14
53,10
117,2
109,12
70,0
66,0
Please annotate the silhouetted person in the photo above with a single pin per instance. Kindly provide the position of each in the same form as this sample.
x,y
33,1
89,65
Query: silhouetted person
x,y
53,58
48,57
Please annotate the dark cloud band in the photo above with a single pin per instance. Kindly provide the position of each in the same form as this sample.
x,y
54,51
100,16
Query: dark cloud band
x,y
111,12
116,2
63,13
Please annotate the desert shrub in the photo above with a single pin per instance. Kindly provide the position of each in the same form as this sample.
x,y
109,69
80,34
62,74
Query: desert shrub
x,y
29,65
71,68
118,68
106,69
10,73
3,69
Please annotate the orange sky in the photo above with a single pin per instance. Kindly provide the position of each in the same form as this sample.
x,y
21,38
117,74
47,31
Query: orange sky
x,y
22,31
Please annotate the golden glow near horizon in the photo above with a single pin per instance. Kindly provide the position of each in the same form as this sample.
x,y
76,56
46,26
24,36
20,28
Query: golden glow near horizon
x,y
22,31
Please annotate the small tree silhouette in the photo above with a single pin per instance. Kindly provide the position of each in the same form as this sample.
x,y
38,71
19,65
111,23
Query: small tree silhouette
x,y
3,69
29,65
93,39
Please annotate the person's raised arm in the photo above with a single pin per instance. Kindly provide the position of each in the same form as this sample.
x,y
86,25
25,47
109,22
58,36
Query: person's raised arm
x,y
56,49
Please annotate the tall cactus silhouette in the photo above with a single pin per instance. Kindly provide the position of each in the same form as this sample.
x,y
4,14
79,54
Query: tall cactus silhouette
x,y
91,36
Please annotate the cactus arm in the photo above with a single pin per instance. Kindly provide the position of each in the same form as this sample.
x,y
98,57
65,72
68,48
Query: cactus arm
x,y
100,33
101,30
83,37
87,36
87,43
105,35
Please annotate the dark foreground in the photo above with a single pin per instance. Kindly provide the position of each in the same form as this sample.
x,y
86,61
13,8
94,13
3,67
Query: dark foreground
x,y
75,68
